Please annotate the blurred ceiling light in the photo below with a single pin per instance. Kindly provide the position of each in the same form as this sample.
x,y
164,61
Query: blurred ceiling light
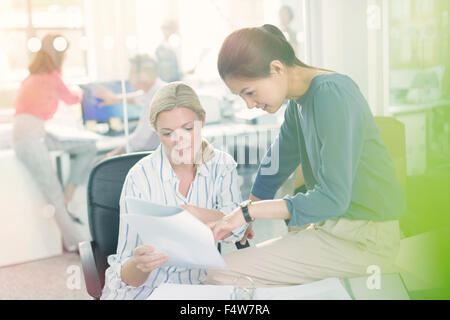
x,y
34,44
131,42
108,43
60,44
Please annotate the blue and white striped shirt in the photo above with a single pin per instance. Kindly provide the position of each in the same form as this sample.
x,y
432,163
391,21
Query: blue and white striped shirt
x,y
215,186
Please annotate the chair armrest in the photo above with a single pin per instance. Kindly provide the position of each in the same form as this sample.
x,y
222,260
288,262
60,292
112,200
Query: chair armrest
x,y
91,277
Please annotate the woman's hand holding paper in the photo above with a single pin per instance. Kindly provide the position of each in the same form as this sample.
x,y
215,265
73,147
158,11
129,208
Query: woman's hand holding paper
x,y
147,260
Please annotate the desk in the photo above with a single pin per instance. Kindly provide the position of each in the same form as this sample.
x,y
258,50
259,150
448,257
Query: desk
x,y
105,144
247,143
391,287
420,107
25,232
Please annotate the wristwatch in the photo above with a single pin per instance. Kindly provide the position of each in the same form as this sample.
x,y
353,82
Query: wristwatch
x,y
244,207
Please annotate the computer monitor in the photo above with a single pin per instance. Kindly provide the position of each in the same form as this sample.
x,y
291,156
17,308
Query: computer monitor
x,y
91,109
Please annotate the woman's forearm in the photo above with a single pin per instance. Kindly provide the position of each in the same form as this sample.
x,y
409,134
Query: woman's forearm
x,y
269,209
212,215
203,214
131,275
265,209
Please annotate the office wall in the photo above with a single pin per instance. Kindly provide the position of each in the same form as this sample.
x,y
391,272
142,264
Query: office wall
x,y
108,23
342,41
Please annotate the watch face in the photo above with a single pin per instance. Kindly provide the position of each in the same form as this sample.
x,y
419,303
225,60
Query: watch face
x,y
245,203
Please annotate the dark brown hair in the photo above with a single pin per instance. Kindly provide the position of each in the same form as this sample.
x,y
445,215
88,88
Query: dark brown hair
x,y
248,52
48,59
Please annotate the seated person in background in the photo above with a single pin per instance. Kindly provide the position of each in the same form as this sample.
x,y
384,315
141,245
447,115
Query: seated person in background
x,y
36,102
144,78
184,170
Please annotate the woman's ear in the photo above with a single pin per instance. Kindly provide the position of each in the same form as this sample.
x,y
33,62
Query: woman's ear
x,y
277,67
203,121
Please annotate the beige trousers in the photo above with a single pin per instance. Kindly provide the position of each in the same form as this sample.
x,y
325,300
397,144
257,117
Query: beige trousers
x,y
333,248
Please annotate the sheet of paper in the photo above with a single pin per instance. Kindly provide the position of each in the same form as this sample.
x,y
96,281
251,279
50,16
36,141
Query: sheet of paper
x,y
327,289
170,291
138,206
186,240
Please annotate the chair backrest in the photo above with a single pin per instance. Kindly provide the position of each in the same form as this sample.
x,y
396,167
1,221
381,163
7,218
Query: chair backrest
x,y
392,133
103,194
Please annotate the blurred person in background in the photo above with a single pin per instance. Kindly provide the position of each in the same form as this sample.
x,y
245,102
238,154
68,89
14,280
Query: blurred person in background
x,y
144,78
168,66
286,17
37,102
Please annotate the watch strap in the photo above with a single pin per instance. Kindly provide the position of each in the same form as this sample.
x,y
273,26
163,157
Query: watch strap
x,y
247,217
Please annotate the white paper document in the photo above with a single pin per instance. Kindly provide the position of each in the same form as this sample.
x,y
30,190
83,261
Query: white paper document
x,y
187,241
138,206
171,291
327,289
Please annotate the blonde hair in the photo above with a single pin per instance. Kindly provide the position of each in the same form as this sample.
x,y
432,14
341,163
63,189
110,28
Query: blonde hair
x,y
174,95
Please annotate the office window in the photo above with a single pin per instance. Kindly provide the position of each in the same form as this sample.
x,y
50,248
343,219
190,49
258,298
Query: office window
x,y
22,20
418,50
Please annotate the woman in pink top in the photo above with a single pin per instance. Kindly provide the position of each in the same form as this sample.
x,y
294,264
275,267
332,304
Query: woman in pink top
x,y
36,102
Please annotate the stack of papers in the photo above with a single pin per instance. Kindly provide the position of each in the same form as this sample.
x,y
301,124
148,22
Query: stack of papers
x,y
187,241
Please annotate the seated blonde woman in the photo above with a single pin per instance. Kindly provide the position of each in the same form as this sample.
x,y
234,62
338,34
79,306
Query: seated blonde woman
x,y
184,170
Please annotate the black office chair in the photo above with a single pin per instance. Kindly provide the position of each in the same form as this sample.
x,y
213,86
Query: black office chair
x,y
103,194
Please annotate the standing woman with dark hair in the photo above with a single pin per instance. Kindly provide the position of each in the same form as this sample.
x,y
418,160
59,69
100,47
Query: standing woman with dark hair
x,y
349,215
35,103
